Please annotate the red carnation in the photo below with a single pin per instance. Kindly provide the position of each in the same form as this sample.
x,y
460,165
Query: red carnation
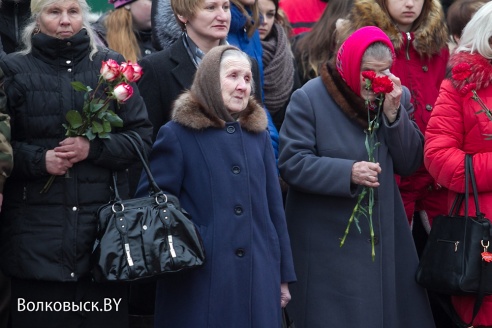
x,y
370,75
461,71
382,84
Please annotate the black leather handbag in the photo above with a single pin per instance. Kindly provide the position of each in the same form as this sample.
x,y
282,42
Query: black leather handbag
x,y
145,237
455,260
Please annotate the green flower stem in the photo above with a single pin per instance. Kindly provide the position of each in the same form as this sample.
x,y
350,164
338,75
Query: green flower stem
x,y
355,214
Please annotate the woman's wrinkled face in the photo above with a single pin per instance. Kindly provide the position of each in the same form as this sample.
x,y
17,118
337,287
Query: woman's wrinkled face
x,y
235,83
141,10
404,12
211,21
381,67
267,11
61,20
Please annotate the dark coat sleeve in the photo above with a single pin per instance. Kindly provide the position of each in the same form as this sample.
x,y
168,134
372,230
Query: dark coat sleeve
x,y
404,139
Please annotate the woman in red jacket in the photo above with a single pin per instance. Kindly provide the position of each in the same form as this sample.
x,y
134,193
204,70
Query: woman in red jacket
x,y
459,125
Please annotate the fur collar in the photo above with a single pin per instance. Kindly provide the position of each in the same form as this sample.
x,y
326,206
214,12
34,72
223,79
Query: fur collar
x,y
188,112
481,70
348,101
429,39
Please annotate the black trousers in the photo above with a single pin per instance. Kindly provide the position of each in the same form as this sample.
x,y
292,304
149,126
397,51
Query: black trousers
x,y
83,304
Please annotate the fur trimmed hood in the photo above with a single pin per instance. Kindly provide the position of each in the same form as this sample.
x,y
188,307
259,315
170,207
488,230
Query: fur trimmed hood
x,y
429,39
188,112
348,101
481,70
165,28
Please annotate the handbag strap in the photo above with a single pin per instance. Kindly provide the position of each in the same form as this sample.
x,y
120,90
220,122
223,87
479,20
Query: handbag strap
x,y
486,231
153,185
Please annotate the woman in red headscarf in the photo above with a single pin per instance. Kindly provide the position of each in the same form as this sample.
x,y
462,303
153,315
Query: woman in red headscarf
x,y
324,159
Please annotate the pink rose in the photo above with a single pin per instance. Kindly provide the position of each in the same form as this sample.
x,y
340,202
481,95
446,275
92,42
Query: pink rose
x,y
110,70
137,72
122,92
127,70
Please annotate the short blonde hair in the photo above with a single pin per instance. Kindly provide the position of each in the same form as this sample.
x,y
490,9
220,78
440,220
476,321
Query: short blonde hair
x,y
477,33
185,8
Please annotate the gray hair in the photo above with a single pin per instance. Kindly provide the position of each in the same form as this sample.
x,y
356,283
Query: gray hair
x,y
378,51
478,32
236,53
37,8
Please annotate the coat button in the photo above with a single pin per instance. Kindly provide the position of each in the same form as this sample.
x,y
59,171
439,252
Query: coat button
x,y
148,51
69,44
236,169
72,275
425,68
68,61
231,129
69,70
239,252
428,107
74,208
238,210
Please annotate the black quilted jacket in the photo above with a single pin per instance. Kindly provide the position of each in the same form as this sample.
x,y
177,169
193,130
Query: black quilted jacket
x,y
50,236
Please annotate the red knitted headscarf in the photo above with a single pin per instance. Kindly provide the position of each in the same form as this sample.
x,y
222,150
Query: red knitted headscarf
x,y
349,56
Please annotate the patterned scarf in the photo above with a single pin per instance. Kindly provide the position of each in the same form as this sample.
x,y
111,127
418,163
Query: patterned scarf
x,y
278,69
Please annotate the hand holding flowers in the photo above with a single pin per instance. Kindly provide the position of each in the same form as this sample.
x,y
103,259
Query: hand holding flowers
x,y
380,86
96,119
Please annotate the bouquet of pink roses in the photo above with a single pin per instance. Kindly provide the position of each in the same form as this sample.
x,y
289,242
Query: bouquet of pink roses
x,y
96,119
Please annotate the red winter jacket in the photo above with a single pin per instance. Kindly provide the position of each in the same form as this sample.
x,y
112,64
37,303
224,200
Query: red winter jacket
x,y
455,129
422,74
302,14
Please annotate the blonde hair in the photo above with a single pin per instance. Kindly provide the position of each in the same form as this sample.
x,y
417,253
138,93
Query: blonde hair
x,y
120,35
187,9
37,8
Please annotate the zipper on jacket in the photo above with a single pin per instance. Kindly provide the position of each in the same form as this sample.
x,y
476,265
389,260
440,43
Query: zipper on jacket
x,y
409,38
456,243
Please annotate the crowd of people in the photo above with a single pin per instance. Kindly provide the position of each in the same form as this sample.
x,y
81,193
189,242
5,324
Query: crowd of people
x,y
312,143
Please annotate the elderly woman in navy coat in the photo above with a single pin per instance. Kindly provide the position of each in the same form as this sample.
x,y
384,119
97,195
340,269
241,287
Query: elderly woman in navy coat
x,y
324,160
216,156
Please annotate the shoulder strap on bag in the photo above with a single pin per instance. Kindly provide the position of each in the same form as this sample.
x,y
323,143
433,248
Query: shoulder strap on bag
x,y
486,231
143,159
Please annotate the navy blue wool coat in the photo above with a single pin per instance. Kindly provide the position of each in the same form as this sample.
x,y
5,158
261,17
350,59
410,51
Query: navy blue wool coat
x,y
225,176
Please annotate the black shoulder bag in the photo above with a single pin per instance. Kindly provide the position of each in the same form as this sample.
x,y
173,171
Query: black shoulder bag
x,y
455,260
144,237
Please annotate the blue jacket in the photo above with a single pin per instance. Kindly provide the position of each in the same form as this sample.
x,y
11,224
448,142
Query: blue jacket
x,y
224,175
252,46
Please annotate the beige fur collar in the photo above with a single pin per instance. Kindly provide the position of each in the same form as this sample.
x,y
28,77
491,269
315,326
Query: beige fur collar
x,y
188,112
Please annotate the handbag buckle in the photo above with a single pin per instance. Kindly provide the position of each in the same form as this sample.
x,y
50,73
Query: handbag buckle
x,y
485,246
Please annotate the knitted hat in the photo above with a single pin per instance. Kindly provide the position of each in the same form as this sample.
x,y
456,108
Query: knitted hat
x,y
120,3
349,56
